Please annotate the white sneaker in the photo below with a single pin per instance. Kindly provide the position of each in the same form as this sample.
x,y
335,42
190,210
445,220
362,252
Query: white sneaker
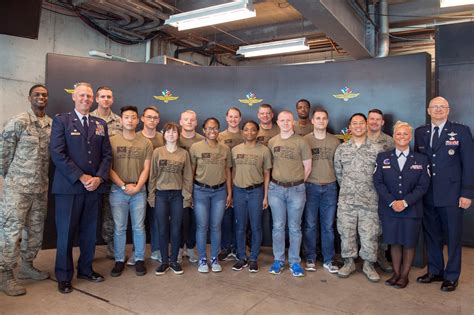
x,y
203,267
331,267
156,255
310,265
216,267
131,259
191,255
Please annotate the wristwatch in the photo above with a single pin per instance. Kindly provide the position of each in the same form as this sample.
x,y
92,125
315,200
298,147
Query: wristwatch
x,y
123,187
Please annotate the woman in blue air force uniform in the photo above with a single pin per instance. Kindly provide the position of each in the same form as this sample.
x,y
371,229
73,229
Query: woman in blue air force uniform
x,y
401,179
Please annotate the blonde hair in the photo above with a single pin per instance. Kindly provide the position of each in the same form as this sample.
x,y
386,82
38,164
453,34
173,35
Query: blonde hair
x,y
399,124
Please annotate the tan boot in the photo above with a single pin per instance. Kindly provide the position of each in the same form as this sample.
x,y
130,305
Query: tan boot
x,y
8,284
348,268
369,271
28,271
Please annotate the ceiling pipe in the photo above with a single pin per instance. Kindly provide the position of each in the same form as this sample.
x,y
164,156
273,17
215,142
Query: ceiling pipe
x,y
384,38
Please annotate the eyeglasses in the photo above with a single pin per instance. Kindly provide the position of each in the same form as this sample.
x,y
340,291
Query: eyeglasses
x,y
152,117
438,107
209,129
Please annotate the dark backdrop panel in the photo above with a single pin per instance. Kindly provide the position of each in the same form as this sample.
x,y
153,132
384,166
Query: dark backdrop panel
x,y
455,82
399,86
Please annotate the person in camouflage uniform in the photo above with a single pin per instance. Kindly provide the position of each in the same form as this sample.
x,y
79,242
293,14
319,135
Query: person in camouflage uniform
x,y
105,99
354,164
375,122
24,164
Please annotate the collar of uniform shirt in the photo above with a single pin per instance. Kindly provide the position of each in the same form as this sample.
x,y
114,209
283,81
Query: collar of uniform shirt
x,y
441,126
79,115
405,153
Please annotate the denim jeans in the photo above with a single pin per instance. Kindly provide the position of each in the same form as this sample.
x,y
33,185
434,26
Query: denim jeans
x,y
286,202
321,201
121,204
248,204
169,216
209,207
154,234
189,229
229,229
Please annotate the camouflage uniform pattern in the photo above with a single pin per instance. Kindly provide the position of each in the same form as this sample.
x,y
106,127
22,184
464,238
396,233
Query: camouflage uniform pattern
x,y
114,126
387,144
358,199
24,164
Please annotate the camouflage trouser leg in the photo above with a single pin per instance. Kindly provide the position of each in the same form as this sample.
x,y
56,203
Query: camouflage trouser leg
x,y
32,236
368,228
22,215
107,221
347,228
382,246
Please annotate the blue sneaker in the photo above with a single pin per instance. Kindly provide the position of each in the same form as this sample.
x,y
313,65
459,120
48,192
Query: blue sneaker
x,y
277,267
296,270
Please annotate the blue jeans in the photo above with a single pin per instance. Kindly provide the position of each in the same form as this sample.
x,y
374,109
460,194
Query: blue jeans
x,y
229,229
169,216
248,204
154,231
209,207
320,206
189,229
286,202
121,204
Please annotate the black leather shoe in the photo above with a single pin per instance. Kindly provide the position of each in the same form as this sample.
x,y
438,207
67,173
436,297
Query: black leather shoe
x,y
64,287
428,278
392,280
401,283
93,277
449,286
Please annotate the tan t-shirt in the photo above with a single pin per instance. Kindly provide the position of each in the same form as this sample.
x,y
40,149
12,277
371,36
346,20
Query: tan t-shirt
x,y
322,171
171,171
157,141
264,135
186,143
230,139
249,164
303,130
210,162
288,156
129,156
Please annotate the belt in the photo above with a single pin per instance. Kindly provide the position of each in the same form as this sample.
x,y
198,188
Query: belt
x,y
253,186
288,184
209,186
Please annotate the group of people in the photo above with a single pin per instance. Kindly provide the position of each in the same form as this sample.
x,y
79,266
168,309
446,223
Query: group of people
x,y
188,185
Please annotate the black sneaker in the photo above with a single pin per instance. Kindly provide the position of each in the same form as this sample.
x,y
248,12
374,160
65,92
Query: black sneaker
x,y
176,267
162,269
224,254
253,266
118,268
240,264
140,269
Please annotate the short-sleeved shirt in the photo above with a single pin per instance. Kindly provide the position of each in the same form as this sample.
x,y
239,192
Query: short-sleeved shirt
x,y
186,143
114,122
230,139
210,162
303,130
264,135
249,164
128,156
322,170
171,171
288,156
157,141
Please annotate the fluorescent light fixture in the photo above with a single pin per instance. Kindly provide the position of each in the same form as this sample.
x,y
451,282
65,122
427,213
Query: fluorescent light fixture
x,y
271,48
227,12
454,3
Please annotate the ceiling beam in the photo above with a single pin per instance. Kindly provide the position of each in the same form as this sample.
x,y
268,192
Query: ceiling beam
x,y
339,21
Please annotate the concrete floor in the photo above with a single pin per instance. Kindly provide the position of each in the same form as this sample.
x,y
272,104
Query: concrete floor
x,y
231,292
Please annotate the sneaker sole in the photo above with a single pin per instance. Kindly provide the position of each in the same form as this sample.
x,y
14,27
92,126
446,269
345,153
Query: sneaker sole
x,y
312,269
193,260
298,275
216,270
130,264
177,272
332,272
203,271
140,273
158,273
274,272
253,270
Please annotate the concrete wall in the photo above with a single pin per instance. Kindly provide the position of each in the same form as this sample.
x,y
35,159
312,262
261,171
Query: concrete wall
x,y
23,61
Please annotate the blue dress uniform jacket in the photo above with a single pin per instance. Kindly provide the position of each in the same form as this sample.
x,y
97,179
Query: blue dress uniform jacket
x,y
452,168
409,184
74,153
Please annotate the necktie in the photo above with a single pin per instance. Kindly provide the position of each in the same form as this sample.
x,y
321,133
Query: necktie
x,y
435,137
85,124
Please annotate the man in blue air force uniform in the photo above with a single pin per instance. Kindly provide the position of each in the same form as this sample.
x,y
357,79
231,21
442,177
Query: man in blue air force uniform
x,y
450,151
81,152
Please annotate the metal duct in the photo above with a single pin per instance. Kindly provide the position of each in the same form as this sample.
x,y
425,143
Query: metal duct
x,y
384,39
